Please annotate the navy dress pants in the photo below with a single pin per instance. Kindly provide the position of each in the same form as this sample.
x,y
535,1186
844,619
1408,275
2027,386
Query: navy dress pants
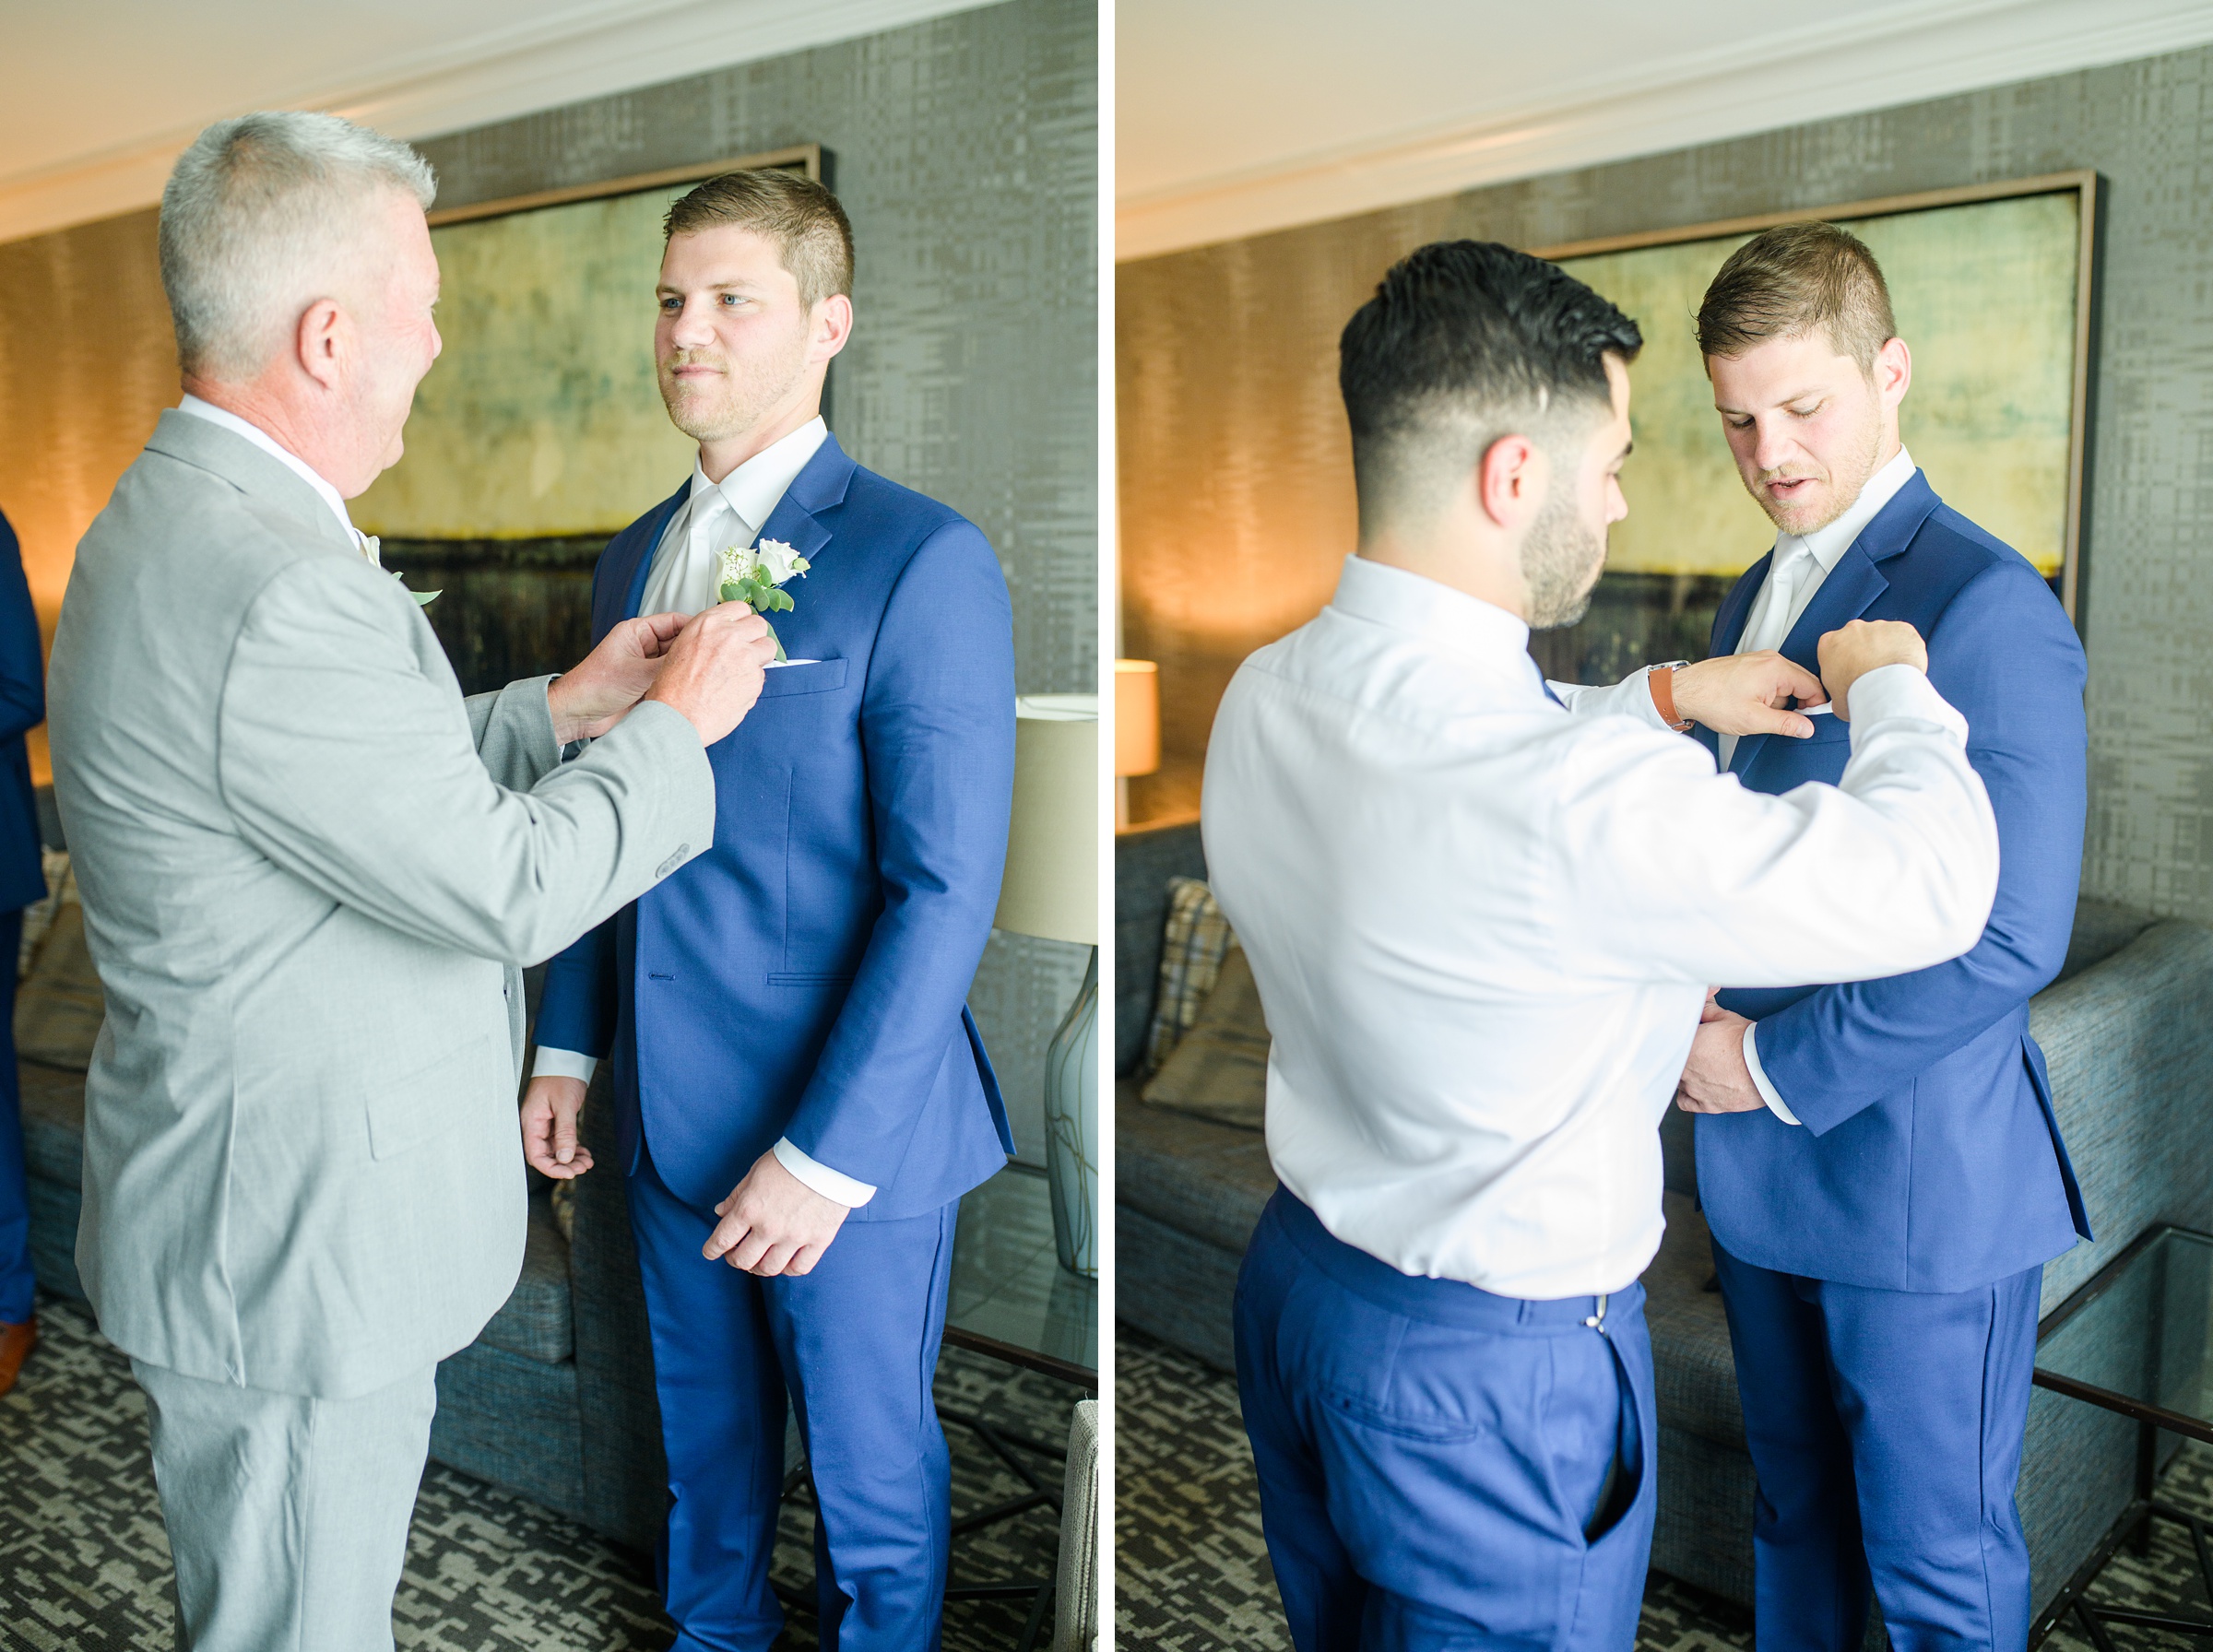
x,y
1441,1467
1886,1430
16,1301
854,1344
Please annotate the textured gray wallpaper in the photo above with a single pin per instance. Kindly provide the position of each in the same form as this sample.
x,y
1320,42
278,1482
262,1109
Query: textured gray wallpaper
x,y
965,150
2147,125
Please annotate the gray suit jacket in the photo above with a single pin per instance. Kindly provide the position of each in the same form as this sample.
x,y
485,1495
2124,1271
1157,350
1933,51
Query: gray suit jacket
x,y
310,872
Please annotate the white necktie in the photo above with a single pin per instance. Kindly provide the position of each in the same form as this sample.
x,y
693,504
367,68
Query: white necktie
x,y
1771,622
1771,625
688,579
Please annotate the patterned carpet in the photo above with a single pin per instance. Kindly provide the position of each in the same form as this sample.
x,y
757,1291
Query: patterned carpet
x,y
1192,1574
84,1565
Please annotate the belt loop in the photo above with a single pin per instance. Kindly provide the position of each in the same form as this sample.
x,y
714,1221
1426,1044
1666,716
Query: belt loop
x,y
1597,1321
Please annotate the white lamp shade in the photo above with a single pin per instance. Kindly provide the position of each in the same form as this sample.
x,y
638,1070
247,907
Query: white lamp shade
x,y
1136,717
1051,887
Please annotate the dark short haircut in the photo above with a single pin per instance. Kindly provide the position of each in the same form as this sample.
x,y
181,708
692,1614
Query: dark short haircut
x,y
812,233
1795,279
1466,342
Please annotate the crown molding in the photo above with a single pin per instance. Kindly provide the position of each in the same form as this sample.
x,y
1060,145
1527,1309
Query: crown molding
x,y
1905,54
567,56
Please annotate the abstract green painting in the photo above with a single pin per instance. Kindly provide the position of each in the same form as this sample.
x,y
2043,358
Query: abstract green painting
x,y
541,417
1985,299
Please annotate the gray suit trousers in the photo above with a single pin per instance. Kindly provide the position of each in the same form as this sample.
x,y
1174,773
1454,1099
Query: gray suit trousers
x,y
287,1514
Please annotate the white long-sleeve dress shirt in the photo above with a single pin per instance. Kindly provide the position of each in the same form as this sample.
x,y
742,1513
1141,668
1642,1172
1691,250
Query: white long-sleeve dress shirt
x,y
685,577
1483,928
1797,569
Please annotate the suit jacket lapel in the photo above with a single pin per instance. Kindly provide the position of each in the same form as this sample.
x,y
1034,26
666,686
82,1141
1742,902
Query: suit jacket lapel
x,y
814,492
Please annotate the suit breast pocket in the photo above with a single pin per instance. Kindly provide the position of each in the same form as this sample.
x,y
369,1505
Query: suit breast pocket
x,y
803,677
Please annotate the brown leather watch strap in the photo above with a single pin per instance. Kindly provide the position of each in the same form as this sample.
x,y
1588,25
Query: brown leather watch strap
x,y
1660,680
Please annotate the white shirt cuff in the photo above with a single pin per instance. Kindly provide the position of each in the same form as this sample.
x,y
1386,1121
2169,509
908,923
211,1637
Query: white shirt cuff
x,y
1759,1077
1901,691
831,1184
1631,697
563,1063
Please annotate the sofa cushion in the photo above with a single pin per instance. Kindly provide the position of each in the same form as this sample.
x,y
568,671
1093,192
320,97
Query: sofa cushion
x,y
1694,1370
536,1322
1144,859
58,1005
53,1123
1203,1179
1219,1069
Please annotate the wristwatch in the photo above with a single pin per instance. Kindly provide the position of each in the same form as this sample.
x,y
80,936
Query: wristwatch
x,y
1660,680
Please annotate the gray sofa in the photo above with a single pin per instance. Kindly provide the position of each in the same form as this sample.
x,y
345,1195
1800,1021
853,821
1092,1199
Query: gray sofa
x,y
570,1344
2127,1028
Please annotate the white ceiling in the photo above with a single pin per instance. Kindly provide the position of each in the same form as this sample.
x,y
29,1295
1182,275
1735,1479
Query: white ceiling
x,y
101,94
1234,117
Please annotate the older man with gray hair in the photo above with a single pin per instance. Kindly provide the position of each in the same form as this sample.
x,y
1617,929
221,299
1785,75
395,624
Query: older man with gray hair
x,y
311,871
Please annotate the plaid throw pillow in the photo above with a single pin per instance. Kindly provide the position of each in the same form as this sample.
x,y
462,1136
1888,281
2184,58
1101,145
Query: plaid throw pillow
x,y
1192,946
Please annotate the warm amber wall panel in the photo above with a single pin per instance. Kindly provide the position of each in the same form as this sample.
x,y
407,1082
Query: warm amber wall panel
x,y
86,364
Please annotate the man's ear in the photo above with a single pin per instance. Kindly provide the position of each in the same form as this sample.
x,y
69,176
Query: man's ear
x,y
322,342
1893,372
1511,480
829,328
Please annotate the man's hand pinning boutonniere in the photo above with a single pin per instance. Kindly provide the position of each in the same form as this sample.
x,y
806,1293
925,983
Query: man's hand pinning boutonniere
x,y
752,577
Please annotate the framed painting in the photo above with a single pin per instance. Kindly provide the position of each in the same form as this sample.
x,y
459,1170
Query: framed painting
x,y
539,431
1993,289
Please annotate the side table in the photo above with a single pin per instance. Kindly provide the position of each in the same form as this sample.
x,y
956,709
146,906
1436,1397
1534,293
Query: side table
x,y
2134,1341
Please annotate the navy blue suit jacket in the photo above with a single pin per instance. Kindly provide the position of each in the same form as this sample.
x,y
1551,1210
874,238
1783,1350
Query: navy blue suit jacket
x,y
1927,1157
807,976
22,708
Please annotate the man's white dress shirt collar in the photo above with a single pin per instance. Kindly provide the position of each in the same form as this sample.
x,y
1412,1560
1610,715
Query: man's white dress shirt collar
x,y
686,574
225,419
1419,606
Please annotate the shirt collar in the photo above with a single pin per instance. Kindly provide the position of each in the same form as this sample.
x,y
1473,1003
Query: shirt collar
x,y
223,419
1829,544
1420,607
755,489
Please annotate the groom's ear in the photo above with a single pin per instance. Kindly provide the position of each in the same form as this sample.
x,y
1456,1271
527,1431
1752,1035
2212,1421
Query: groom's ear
x,y
829,325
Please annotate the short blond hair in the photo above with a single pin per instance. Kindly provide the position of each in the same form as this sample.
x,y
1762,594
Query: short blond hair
x,y
812,235
1791,280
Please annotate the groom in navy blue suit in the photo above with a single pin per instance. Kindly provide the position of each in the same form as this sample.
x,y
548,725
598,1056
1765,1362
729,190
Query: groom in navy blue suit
x,y
1879,1163
802,1097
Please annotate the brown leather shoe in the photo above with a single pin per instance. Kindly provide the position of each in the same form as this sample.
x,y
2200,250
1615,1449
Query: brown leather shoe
x,y
16,1343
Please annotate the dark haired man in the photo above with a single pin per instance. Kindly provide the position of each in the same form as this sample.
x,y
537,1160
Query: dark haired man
x,y
1878,1160
801,1098
1482,928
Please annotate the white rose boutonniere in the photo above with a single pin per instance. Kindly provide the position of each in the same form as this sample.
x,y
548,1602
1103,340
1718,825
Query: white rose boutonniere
x,y
754,577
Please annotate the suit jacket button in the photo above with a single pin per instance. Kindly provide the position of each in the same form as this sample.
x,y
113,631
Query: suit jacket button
x,y
673,862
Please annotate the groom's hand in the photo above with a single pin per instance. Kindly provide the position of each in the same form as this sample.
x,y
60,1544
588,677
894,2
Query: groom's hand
x,y
1715,1079
591,699
712,673
551,1107
1743,693
772,1223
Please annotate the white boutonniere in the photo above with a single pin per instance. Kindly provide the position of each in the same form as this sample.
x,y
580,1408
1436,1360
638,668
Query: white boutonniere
x,y
752,577
373,548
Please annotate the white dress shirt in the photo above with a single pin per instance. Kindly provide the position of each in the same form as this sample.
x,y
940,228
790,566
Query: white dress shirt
x,y
686,577
1482,928
1796,568
292,460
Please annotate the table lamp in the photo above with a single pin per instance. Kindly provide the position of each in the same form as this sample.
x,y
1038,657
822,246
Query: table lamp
x,y
1051,888
1136,729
